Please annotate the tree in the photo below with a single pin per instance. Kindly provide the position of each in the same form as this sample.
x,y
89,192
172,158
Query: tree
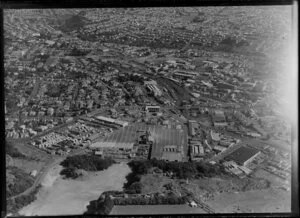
x,y
136,187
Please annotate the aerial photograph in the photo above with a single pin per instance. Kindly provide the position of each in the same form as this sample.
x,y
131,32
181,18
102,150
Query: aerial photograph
x,y
149,110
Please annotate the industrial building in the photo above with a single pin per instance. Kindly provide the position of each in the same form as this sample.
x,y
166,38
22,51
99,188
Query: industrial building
x,y
172,153
107,120
243,155
185,74
222,85
196,151
152,87
169,144
152,109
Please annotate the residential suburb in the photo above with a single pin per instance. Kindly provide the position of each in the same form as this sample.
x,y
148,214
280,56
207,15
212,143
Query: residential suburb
x,y
139,111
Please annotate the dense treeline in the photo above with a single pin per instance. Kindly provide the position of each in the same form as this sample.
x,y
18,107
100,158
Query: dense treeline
x,y
130,77
85,162
20,182
181,170
102,206
12,151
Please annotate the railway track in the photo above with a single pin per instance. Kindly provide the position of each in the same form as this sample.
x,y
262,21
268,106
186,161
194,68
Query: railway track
x,y
204,206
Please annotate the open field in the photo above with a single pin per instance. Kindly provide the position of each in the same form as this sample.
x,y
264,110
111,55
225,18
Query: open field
x,y
28,165
76,193
257,201
31,152
275,180
155,209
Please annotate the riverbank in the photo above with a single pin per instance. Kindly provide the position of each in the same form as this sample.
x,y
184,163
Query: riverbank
x,y
59,196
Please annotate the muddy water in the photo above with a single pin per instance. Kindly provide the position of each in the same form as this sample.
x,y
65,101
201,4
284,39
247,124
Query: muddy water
x,y
69,197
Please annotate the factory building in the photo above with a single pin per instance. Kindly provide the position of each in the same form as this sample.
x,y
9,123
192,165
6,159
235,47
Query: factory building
x,y
107,120
172,153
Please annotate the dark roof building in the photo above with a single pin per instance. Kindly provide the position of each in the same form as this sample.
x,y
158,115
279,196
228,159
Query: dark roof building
x,y
243,155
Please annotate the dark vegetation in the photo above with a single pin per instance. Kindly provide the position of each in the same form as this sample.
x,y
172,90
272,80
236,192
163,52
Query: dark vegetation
x,y
199,19
79,75
12,151
105,203
11,103
155,199
54,90
102,206
14,205
74,22
181,170
78,52
20,182
85,162
229,43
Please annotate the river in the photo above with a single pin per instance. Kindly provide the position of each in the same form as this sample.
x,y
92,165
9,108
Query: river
x,y
70,197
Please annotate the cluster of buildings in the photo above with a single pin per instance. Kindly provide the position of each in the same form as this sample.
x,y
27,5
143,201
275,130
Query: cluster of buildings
x,y
279,164
74,135
152,87
205,142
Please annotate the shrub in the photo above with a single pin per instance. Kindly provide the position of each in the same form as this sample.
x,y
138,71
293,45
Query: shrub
x,y
131,178
136,187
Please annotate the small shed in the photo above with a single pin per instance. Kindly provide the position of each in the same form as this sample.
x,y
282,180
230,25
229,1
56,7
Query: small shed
x,y
99,153
33,173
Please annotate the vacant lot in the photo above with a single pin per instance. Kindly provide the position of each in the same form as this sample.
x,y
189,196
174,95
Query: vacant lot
x,y
275,180
28,165
31,152
257,201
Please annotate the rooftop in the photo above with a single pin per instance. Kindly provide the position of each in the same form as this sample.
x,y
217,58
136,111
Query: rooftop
x,y
242,154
